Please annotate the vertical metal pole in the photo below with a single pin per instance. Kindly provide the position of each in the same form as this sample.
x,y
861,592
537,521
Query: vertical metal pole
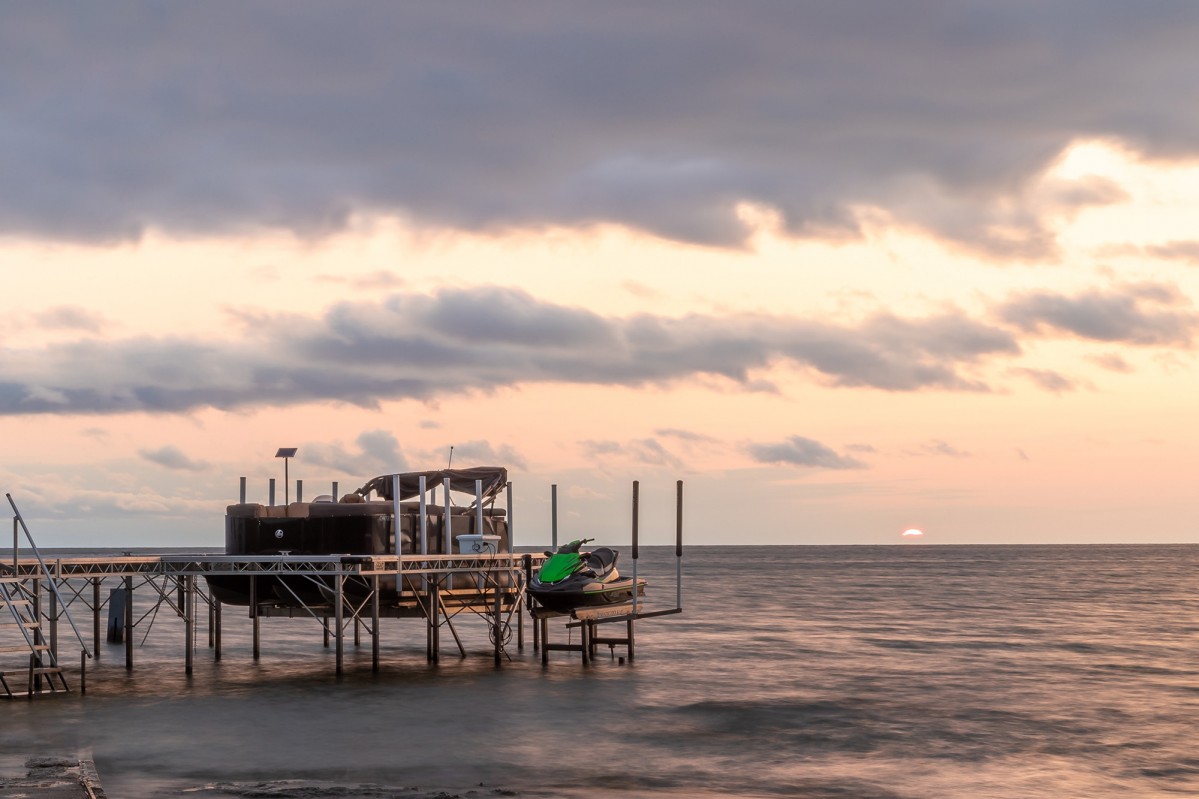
x,y
636,513
189,620
83,672
375,623
54,609
395,519
286,483
479,507
425,534
54,625
499,642
436,622
678,548
129,623
527,562
16,540
636,553
508,507
39,636
211,624
254,612
216,623
554,516
96,616
242,492
339,616
271,492
429,622
448,529
424,520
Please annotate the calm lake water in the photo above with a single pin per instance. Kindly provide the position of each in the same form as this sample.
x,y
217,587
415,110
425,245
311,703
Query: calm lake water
x,y
880,672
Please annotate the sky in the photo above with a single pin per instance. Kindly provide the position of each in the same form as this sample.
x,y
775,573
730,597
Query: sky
x,y
845,269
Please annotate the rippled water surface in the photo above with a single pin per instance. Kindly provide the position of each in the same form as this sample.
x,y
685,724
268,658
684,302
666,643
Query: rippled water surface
x,y
882,672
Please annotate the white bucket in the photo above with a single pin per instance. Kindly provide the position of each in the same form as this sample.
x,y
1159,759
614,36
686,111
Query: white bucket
x,y
478,544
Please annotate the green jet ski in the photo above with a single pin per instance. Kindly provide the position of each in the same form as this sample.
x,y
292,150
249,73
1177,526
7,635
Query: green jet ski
x,y
571,579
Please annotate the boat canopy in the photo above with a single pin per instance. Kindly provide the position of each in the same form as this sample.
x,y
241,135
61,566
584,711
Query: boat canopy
x,y
494,479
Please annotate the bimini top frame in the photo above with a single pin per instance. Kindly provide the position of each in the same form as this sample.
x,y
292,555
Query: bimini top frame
x,y
493,478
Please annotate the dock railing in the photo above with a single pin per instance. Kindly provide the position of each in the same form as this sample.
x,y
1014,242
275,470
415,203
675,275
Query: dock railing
x,y
43,569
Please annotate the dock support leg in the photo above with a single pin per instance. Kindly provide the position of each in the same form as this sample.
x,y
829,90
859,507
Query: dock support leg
x,y
375,623
129,623
53,624
499,628
254,613
326,632
39,637
216,625
520,626
629,634
435,621
339,617
542,625
96,617
189,619
211,624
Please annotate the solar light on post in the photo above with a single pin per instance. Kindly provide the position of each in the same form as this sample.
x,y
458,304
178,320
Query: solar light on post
x,y
286,453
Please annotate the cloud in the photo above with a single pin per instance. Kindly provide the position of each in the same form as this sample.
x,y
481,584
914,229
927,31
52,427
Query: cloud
x,y
688,436
426,346
70,317
1047,379
374,452
938,447
1112,362
172,457
801,451
1175,251
1145,314
645,451
377,280
309,114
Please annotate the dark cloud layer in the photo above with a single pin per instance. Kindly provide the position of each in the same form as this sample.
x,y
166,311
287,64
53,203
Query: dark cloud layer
x,y
1148,314
220,116
418,346
482,339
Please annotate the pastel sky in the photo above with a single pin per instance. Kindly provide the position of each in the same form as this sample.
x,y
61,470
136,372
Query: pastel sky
x,y
846,269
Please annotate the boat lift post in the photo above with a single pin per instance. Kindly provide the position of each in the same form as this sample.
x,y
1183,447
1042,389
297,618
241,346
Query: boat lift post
x,y
520,608
554,517
678,546
636,501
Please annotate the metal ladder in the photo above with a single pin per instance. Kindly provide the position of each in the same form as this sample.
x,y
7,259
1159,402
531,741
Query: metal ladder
x,y
43,666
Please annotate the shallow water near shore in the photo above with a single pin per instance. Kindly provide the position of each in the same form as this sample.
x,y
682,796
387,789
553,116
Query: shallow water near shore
x,y
888,672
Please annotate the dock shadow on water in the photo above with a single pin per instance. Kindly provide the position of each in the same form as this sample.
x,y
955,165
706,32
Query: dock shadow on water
x,y
888,672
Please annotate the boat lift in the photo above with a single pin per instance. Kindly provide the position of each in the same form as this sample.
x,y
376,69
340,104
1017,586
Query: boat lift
x,y
441,589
